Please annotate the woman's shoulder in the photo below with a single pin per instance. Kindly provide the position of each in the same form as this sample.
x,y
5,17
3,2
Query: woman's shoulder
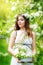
x,y
13,33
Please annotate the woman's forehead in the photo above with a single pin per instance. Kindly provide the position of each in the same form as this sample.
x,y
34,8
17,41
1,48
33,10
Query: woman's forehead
x,y
20,17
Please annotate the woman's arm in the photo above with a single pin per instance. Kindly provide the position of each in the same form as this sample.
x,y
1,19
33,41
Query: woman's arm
x,y
34,43
11,43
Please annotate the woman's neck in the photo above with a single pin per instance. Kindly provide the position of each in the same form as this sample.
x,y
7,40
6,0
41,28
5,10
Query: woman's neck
x,y
22,28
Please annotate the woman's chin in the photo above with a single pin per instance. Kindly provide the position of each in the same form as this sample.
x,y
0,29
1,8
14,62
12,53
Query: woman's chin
x,y
20,26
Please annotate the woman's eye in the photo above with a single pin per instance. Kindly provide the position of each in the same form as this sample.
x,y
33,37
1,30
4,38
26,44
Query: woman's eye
x,y
20,19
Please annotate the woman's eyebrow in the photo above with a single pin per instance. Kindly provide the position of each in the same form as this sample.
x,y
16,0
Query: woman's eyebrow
x,y
21,19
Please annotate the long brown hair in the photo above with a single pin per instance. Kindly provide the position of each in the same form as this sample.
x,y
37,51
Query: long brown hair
x,y
27,23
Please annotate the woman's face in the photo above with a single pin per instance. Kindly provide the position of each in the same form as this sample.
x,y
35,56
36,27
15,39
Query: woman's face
x,y
21,22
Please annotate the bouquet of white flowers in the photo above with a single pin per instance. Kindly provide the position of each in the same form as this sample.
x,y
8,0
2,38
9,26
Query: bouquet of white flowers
x,y
21,51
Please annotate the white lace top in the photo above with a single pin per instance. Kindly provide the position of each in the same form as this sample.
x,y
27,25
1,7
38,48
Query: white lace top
x,y
22,37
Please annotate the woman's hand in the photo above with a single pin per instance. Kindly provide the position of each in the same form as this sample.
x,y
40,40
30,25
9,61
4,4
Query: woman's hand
x,y
18,60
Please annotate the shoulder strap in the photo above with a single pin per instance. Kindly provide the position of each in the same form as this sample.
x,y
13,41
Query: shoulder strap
x,y
16,32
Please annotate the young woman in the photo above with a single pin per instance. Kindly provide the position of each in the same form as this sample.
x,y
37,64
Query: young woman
x,y
22,28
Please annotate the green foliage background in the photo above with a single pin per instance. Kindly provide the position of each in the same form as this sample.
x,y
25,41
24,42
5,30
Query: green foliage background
x,y
9,9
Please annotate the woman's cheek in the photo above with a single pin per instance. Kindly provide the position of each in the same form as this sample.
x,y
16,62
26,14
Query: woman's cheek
x,y
23,23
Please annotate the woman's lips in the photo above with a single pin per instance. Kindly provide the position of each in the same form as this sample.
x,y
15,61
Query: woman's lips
x,y
19,23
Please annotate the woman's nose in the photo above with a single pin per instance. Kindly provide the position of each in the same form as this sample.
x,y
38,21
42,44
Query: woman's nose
x,y
19,21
